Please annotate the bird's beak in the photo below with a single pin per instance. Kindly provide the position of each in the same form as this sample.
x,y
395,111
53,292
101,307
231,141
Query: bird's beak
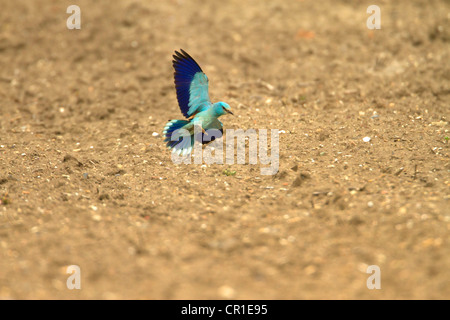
x,y
229,111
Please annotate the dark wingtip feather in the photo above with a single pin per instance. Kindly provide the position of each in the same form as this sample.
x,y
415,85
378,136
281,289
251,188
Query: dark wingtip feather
x,y
184,56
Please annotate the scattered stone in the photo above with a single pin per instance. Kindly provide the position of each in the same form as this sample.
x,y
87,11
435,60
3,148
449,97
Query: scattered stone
x,y
439,123
399,171
227,292
103,196
310,270
300,179
71,159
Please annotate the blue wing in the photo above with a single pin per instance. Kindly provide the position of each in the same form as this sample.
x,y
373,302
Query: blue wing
x,y
191,84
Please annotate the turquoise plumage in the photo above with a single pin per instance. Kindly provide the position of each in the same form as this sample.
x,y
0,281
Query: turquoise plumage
x,y
191,84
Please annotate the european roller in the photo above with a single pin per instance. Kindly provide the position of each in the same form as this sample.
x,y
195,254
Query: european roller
x,y
191,84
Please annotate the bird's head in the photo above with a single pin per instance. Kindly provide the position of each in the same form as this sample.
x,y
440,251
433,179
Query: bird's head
x,y
221,108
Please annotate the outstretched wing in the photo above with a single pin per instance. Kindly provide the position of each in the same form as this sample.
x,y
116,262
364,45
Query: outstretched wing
x,y
191,84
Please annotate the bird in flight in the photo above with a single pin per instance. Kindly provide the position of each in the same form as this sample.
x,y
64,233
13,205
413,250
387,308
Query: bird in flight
x,y
191,85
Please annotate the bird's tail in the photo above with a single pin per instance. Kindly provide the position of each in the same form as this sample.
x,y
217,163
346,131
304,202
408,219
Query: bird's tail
x,y
176,141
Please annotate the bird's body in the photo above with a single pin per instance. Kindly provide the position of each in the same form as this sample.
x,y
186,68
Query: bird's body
x,y
207,118
192,93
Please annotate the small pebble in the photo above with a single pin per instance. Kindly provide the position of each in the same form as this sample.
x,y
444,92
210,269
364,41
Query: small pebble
x,y
310,270
367,139
227,292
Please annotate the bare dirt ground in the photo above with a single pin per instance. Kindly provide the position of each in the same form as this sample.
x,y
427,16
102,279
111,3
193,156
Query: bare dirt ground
x,y
84,182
